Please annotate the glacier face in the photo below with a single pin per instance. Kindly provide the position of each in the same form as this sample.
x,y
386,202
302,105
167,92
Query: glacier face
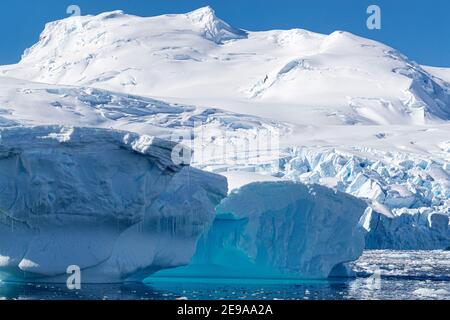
x,y
279,229
111,202
409,230
408,195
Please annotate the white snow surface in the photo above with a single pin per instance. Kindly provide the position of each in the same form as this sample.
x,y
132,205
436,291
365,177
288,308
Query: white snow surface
x,y
443,73
198,58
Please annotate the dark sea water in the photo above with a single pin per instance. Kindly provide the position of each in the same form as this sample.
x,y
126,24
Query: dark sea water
x,y
380,275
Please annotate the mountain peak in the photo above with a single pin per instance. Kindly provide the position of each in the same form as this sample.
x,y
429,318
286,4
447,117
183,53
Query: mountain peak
x,y
213,28
201,14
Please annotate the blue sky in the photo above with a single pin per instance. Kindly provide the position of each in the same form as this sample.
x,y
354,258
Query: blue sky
x,y
418,28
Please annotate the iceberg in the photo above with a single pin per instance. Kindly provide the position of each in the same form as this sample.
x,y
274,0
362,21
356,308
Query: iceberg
x,y
278,229
116,205
112,203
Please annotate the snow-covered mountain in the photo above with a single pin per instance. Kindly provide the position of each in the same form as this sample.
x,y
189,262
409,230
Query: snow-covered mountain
x,y
196,57
338,110
310,80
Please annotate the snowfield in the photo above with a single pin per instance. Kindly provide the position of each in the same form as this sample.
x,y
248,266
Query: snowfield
x,y
91,115
199,58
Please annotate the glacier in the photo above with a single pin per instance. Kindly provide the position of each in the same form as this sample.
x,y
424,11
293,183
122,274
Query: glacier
x,y
419,229
408,197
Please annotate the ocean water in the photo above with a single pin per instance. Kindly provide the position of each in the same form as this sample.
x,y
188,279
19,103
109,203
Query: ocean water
x,y
380,274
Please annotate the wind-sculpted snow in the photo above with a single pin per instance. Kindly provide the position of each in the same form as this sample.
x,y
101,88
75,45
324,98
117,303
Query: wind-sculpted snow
x,y
427,93
112,203
279,230
113,106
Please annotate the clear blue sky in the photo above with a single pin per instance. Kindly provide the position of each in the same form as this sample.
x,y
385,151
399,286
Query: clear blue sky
x,y
418,28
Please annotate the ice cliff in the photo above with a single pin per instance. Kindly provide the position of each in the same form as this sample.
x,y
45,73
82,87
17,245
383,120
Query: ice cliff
x,y
408,195
116,205
417,229
111,202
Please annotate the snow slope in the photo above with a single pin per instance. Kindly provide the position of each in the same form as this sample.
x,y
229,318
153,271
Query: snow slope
x,y
443,73
199,59
216,136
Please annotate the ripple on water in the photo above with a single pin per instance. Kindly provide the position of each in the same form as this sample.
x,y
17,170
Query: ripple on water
x,y
382,274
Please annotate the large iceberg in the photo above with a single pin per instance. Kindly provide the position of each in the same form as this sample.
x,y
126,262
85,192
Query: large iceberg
x,y
279,229
111,202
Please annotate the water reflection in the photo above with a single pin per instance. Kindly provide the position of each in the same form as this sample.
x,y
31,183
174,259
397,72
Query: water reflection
x,y
134,291
402,275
